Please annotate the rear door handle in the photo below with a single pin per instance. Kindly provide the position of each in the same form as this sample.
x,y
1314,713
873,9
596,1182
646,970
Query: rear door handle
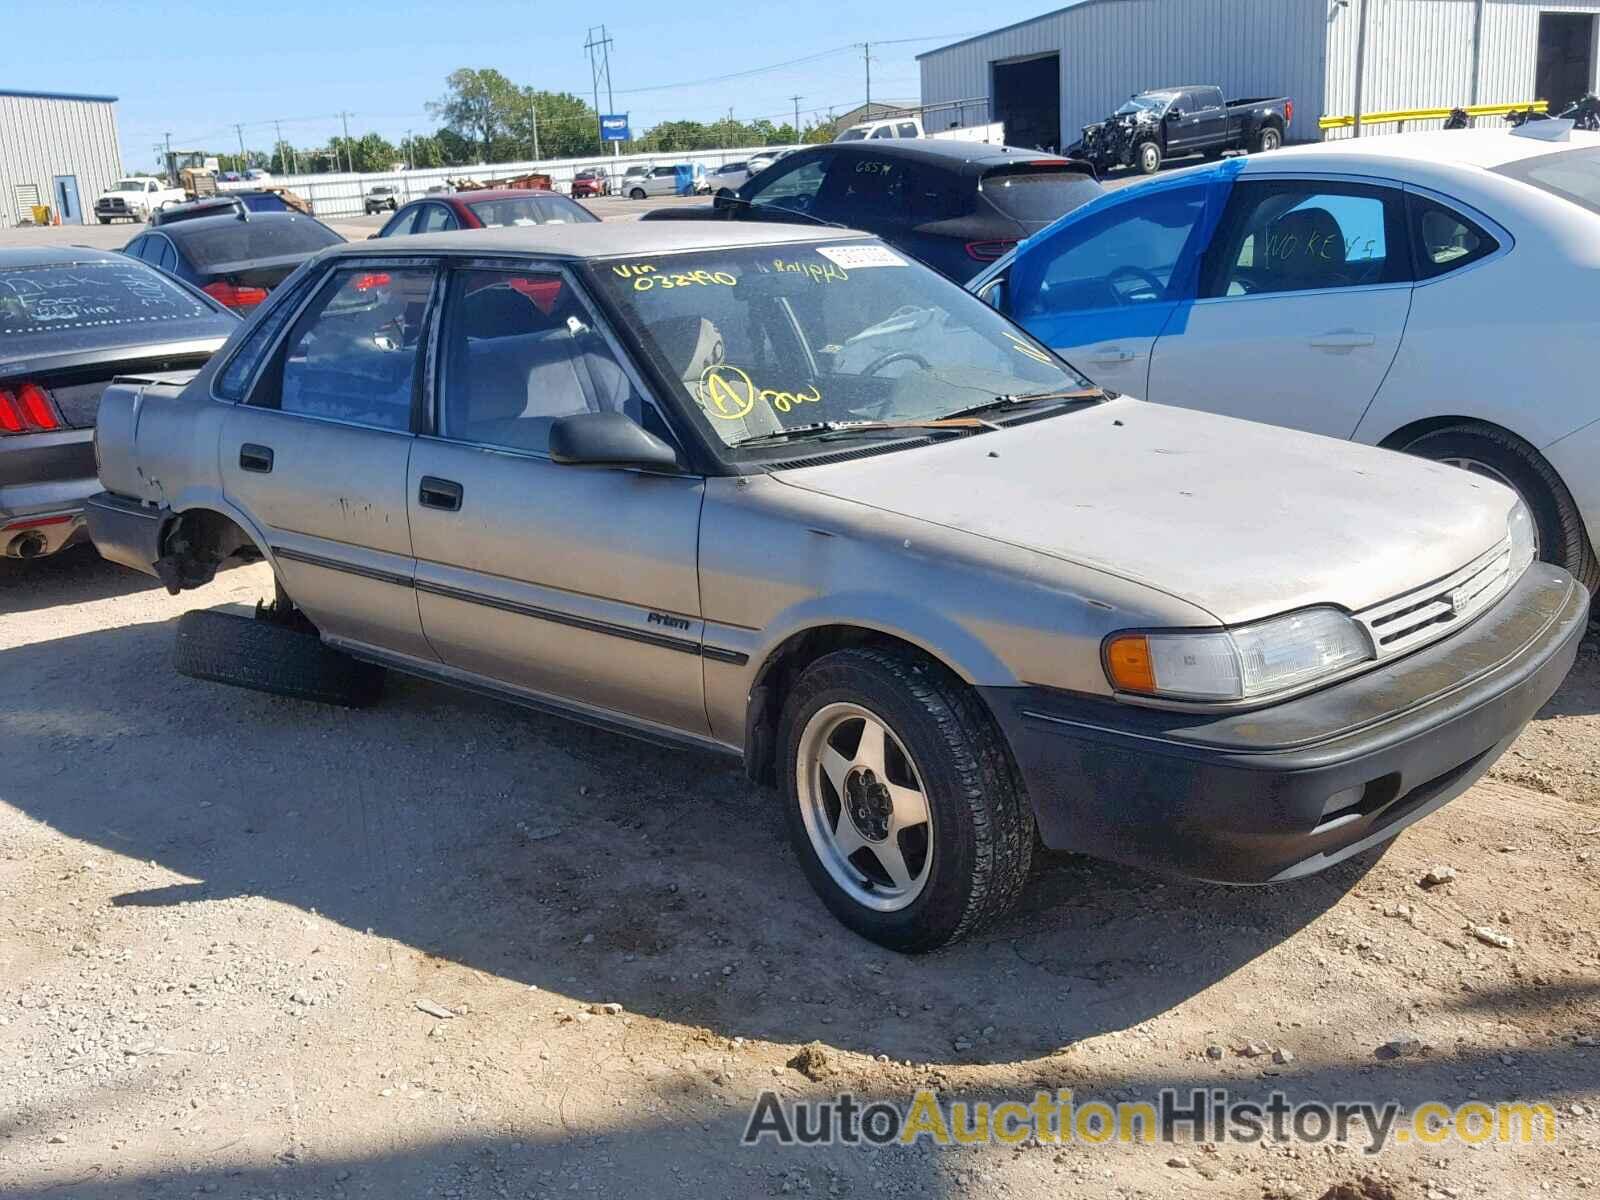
x,y
439,493
1344,339
255,458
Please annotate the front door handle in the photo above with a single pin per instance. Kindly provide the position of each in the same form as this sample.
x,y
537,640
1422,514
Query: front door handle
x,y
255,458
1343,340
1110,356
439,493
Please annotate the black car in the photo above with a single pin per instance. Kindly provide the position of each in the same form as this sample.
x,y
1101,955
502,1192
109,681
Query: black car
x,y
71,319
221,205
234,259
957,206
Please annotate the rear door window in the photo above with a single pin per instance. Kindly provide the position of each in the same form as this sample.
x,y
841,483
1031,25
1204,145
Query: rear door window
x,y
352,355
907,129
436,218
165,256
1295,236
866,190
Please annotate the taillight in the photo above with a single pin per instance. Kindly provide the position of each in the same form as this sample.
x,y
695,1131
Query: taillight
x,y
28,408
989,251
1288,112
234,296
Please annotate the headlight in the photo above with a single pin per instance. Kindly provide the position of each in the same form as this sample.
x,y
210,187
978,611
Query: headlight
x,y
1524,542
1237,664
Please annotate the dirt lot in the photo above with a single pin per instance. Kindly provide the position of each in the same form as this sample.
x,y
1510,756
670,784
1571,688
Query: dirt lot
x,y
222,911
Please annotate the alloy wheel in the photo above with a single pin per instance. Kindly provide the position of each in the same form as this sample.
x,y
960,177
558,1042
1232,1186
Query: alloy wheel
x,y
862,800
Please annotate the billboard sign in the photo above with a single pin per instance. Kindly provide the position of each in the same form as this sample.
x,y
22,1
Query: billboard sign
x,y
614,128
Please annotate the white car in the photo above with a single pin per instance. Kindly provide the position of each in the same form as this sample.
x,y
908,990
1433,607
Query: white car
x,y
663,181
729,177
135,199
1426,292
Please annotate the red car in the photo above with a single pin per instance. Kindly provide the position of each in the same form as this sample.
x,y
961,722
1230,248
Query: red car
x,y
487,208
591,183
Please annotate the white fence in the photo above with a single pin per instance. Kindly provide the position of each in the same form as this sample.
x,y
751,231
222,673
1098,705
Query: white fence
x,y
342,195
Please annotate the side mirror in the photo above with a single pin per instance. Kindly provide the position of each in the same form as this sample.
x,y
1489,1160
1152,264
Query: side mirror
x,y
608,439
1174,113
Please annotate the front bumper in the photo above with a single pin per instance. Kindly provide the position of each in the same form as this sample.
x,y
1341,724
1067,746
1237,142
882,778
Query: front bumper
x,y
1285,791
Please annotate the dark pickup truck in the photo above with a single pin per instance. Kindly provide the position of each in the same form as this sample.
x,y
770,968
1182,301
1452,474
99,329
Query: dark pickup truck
x,y
1173,122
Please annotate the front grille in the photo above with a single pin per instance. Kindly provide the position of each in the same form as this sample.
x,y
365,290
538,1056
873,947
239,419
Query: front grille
x,y
1433,611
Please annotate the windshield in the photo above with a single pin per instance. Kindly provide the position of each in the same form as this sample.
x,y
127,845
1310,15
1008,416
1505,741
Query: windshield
x,y
1571,174
1154,102
128,185
531,209
83,306
765,338
243,241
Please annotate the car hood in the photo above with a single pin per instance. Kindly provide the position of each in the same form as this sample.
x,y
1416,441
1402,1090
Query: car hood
x,y
1240,519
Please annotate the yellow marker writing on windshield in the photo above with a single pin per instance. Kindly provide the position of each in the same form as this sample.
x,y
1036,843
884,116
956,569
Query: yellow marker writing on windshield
x,y
726,392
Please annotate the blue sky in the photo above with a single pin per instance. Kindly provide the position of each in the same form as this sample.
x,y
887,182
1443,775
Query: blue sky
x,y
195,67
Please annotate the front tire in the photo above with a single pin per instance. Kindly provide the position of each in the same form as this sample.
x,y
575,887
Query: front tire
x,y
636,194
1269,139
901,800
1507,459
268,655
1147,158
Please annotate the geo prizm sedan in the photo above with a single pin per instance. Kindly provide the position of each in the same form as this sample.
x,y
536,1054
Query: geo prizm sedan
x,y
782,493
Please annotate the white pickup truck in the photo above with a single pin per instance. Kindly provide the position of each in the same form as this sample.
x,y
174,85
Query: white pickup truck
x,y
135,198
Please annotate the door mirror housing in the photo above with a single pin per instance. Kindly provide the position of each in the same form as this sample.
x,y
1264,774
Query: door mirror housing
x,y
1174,113
608,439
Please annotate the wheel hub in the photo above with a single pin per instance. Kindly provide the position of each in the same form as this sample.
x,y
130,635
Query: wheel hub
x,y
869,803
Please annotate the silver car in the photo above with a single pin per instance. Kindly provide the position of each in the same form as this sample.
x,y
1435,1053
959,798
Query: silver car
x,y
781,493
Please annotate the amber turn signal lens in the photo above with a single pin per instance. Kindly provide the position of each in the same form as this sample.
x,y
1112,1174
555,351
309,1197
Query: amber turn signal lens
x,y
1128,664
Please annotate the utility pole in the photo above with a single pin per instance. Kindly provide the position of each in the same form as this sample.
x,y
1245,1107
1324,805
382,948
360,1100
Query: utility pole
x,y
866,57
239,129
349,154
599,51
411,153
534,106
172,178
797,100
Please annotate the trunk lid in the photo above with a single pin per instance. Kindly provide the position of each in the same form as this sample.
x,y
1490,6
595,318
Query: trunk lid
x,y
1241,519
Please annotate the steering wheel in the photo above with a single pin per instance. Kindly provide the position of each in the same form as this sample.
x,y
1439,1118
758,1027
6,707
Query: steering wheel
x,y
895,356
1138,273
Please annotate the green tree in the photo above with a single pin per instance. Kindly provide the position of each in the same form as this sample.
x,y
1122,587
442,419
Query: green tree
x,y
479,106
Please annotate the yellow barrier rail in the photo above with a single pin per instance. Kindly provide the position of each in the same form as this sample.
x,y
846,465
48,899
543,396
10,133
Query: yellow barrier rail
x,y
1401,116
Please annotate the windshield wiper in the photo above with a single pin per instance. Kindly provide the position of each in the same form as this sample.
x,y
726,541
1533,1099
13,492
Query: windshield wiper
x,y
1023,399
956,423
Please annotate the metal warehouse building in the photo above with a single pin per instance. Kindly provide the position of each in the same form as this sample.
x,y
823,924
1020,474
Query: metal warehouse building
x,y
56,150
1048,77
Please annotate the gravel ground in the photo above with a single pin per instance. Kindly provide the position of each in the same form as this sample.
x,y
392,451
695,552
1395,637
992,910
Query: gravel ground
x,y
226,913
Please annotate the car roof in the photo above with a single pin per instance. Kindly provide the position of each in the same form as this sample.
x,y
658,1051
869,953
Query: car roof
x,y
477,194
195,225
605,239
940,151
1485,148
49,256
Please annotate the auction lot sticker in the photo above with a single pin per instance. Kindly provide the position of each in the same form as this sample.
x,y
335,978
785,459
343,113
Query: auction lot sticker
x,y
853,258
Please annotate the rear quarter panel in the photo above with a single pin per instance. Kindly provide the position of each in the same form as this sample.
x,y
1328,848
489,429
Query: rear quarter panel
x,y
1507,340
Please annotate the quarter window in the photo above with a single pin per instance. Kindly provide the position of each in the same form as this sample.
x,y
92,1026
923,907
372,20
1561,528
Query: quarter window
x,y
352,356
1443,240
1306,236
520,351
